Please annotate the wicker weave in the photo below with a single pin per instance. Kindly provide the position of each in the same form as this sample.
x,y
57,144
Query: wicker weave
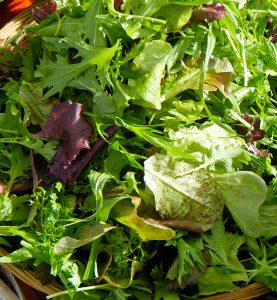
x,y
13,31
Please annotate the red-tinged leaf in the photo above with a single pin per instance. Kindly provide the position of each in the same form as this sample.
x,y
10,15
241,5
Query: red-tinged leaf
x,y
256,135
210,13
70,174
66,123
42,11
256,151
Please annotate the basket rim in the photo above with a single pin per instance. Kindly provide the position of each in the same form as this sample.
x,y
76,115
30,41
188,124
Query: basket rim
x,y
28,277
15,27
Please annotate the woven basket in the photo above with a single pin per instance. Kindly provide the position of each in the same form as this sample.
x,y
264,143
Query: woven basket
x,y
13,31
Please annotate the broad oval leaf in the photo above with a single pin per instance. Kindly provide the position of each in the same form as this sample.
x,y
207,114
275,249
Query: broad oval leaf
x,y
195,196
87,234
244,192
126,213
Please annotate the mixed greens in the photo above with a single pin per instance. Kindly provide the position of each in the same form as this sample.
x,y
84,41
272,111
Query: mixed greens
x,y
138,148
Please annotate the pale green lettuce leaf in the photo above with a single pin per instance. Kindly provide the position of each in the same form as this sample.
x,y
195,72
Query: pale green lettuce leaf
x,y
149,66
195,196
244,192
36,107
14,208
214,147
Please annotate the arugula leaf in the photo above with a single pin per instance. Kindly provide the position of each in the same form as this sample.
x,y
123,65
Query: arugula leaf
x,y
225,252
217,280
56,75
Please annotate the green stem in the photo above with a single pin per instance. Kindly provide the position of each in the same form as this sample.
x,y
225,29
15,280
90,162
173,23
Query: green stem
x,y
82,289
91,271
8,131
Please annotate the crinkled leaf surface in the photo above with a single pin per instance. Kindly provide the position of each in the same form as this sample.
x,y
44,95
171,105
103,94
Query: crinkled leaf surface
x,y
195,196
218,76
66,123
146,88
244,192
216,148
14,208
36,106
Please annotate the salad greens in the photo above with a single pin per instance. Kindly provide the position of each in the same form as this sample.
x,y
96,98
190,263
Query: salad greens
x,y
138,148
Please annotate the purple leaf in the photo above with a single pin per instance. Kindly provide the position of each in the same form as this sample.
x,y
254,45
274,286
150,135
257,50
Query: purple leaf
x,y
256,151
256,135
70,174
210,13
44,10
66,123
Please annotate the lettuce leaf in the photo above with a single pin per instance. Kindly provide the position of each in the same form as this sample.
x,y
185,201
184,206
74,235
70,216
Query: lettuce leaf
x,y
195,196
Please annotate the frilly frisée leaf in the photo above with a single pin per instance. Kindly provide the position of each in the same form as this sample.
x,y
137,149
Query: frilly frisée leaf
x,y
195,196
